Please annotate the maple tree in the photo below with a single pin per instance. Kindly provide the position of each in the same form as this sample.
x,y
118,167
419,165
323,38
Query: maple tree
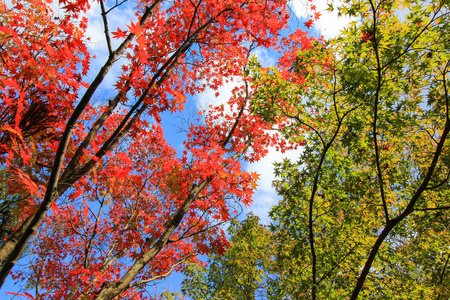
x,y
365,208
107,203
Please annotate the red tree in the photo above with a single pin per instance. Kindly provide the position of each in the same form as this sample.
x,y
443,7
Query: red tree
x,y
111,205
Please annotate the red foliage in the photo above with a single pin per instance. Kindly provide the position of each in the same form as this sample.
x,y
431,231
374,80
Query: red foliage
x,y
126,207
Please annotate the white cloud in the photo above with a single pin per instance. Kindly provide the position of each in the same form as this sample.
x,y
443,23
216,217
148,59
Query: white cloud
x,y
208,97
265,57
265,196
329,24
262,204
265,167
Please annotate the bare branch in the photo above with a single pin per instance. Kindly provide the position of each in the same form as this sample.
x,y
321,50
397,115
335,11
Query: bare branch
x,y
106,30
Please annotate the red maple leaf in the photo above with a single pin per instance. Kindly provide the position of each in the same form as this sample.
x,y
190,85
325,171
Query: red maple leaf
x,y
120,34
317,15
309,23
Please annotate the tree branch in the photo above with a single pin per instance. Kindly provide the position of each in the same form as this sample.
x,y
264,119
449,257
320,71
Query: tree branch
x,y
408,210
144,281
375,112
105,25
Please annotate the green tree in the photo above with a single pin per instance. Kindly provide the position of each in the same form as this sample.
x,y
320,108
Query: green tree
x,y
365,207
245,271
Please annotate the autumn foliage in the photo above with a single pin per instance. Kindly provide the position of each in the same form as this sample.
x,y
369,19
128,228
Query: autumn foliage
x,y
107,204
102,205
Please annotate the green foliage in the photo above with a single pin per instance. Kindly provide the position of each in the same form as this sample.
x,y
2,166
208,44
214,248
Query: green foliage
x,y
167,295
365,209
245,271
